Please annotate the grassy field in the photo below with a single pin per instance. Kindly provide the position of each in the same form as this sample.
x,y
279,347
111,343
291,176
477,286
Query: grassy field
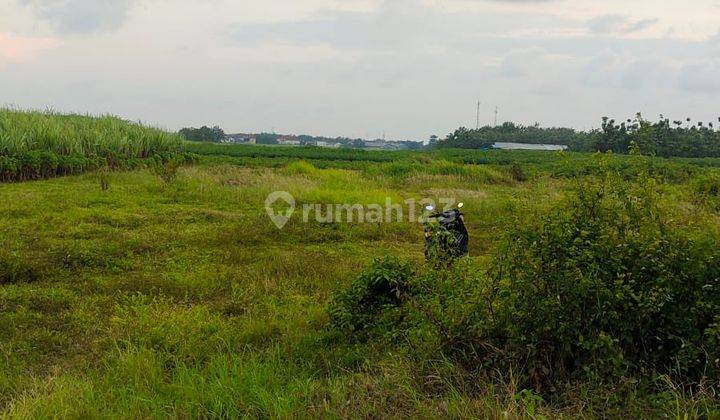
x,y
180,298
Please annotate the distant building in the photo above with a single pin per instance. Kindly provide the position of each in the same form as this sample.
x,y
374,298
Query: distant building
x,y
527,146
323,143
240,139
288,140
385,145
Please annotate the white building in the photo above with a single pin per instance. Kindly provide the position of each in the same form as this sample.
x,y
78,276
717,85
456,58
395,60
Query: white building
x,y
527,146
289,142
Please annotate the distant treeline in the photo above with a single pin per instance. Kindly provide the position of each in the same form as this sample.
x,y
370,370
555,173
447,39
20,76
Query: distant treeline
x,y
203,133
485,137
216,134
665,138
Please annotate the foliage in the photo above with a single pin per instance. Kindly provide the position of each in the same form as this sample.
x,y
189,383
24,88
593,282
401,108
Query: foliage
x,y
517,173
607,284
42,164
485,137
166,167
267,138
601,287
35,145
320,153
80,135
380,287
663,138
706,189
204,133
104,178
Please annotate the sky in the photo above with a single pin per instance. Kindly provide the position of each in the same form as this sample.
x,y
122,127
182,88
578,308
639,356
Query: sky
x,y
406,69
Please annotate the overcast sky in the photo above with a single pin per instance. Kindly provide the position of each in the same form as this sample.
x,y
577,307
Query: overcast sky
x,y
358,68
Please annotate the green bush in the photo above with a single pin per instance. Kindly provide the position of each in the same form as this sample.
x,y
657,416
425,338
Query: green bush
x,y
605,285
517,173
706,190
383,285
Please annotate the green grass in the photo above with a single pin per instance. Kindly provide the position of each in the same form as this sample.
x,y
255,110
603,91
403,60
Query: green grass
x,y
73,134
156,299
37,144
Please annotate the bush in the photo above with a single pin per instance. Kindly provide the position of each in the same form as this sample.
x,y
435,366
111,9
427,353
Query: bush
x,y
606,285
166,167
517,173
706,190
382,286
603,286
104,178
300,167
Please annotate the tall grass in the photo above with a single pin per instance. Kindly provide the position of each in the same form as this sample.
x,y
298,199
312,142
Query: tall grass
x,y
73,134
39,144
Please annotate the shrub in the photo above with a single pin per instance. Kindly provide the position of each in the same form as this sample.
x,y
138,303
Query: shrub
x,y
706,190
604,285
301,167
166,167
517,173
104,178
383,285
8,168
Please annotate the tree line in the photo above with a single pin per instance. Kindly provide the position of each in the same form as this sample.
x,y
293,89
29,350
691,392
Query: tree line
x,y
679,138
508,132
665,138
204,133
216,134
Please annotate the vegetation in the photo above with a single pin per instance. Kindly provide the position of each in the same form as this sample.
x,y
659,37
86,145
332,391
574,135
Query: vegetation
x,y
604,287
680,138
204,133
166,291
485,137
663,138
307,152
36,145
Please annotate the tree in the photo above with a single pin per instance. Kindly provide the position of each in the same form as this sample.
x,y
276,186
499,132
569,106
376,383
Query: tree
x,y
204,133
266,138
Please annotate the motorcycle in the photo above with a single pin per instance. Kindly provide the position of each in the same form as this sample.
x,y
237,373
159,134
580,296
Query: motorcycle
x,y
446,237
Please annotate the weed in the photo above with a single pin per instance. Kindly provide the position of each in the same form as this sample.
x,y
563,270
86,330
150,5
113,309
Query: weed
x,y
166,168
104,178
517,173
